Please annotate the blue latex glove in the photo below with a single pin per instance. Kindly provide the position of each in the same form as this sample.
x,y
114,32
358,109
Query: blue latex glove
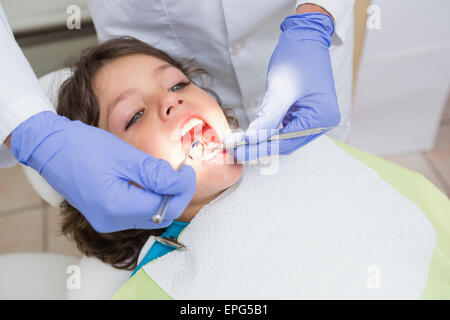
x,y
91,169
300,90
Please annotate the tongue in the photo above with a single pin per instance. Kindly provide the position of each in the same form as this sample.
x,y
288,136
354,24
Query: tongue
x,y
205,135
209,135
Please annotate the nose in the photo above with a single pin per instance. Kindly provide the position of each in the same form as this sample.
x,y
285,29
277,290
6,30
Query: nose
x,y
169,102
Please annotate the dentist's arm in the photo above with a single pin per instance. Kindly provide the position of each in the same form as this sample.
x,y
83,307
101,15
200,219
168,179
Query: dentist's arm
x,y
300,92
89,167
8,141
310,7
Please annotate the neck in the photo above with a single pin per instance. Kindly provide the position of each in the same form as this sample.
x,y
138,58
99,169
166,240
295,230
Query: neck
x,y
194,207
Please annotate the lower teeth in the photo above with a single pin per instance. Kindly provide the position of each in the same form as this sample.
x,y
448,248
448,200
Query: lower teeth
x,y
197,151
201,151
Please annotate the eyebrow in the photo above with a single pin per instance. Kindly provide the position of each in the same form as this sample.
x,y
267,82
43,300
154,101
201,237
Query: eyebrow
x,y
121,96
128,92
163,67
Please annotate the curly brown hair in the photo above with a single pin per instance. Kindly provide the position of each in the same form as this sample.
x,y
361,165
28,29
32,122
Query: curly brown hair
x,y
77,101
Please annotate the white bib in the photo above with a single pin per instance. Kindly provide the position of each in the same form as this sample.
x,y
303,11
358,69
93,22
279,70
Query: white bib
x,y
325,226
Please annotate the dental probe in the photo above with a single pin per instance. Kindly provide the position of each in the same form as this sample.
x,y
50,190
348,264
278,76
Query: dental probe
x,y
283,136
159,216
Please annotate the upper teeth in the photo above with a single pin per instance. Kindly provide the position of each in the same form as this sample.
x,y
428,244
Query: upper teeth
x,y
191,124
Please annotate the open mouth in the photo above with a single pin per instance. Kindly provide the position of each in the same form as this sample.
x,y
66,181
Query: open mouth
x,y
198,129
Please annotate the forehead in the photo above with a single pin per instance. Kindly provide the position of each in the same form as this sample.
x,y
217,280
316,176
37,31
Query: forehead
x,y
128,66
126,72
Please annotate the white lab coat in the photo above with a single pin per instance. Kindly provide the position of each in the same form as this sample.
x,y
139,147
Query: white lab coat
x,y
232,39
21,96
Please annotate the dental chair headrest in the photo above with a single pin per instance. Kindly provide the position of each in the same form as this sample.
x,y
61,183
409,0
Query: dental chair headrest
x,y
99,280
50,84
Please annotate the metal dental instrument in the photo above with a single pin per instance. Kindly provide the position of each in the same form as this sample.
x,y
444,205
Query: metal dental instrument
x,y
159,216
172,242
283,136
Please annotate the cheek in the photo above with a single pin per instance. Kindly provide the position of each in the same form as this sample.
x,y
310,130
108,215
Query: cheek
x,y
204,101
151,142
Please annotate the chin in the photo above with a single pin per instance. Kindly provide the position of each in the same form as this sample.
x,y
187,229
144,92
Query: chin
x,y
214,178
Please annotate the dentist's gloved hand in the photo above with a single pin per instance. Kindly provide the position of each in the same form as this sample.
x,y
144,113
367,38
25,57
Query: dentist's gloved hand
x,y
91,169
300,90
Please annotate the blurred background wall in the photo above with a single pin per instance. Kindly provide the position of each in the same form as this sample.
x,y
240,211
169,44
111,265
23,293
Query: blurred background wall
x,y
40,29
404,77
28,223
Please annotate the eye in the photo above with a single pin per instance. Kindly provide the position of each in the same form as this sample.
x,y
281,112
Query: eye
x,y
134,119
179,85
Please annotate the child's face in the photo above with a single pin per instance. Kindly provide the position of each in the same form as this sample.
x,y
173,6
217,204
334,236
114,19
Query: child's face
x,y
144,101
